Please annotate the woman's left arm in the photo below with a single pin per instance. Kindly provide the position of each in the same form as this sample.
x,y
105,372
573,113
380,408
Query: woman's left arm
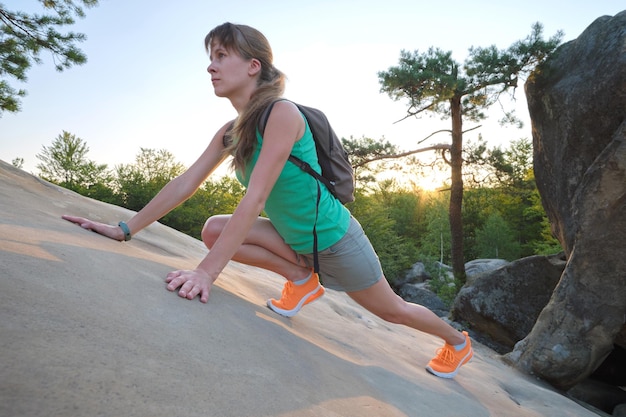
x,y
285,126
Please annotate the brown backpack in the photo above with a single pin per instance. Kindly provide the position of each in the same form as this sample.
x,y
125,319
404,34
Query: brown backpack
x,y
337,173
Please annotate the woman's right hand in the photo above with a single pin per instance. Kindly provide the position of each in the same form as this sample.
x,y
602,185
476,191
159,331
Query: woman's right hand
x,y
113,232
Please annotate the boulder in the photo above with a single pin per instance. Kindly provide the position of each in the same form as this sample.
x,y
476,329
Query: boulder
x,y
414,287
620,411
577,104
504,304
479,266
599,395
418,294
416,274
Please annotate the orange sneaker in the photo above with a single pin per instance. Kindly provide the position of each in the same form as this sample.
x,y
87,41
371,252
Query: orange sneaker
x,y
449,360
294,297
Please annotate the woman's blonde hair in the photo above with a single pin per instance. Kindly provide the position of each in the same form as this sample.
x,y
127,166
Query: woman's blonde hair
x,y
249,43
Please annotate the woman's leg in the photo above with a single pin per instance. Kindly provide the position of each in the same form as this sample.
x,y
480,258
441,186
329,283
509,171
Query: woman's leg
x,y
386,304
263,248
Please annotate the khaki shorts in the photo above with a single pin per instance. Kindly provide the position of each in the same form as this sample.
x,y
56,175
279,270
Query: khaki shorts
x,y
350,264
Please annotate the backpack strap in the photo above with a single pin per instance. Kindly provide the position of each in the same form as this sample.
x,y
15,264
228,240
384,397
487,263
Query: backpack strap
x,y
303,165
316,260
309,170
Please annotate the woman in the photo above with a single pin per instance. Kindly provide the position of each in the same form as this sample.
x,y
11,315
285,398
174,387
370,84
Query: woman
x,y
242,71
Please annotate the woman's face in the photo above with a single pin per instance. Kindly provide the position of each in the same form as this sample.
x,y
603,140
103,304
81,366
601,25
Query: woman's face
x,y
229,72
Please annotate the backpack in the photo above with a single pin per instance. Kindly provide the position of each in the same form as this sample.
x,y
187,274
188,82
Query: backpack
x,y
337,173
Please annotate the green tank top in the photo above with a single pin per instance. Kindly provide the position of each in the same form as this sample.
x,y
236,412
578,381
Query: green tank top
x,y
291,205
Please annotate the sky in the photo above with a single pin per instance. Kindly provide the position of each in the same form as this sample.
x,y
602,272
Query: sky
x,y
145,84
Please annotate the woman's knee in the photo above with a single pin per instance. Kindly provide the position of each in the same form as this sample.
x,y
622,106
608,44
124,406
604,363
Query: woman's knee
x,y
213,229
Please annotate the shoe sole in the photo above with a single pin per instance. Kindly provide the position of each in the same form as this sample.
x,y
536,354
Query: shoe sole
x,y
309,298
452,374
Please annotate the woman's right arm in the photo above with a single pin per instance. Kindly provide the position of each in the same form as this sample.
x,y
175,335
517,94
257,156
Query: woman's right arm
x,y
171,196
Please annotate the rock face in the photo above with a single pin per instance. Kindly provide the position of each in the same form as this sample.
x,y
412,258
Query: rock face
x,y
416,289
417,293
504,304
88,329
477,267
577,104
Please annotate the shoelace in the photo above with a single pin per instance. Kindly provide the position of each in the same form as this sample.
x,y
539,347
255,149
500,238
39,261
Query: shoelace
x,y
446,355
287,291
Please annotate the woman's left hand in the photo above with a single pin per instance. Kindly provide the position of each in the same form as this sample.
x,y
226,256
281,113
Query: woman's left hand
x,y
191,283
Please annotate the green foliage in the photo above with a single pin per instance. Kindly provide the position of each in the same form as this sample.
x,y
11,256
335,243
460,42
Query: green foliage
x,y
550,246
408,209
24,36
138,183
490,71
214,197
543,242
62,161
497,166
429,80
230,192
65,163
513,204
495,240
445,287
435,243
367,157
507,187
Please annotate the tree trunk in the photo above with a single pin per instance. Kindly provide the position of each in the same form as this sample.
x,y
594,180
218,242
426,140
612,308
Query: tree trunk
x,y
456,190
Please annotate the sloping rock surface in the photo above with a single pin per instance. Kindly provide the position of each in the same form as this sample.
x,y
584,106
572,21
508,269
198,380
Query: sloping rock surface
x,y
88,329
